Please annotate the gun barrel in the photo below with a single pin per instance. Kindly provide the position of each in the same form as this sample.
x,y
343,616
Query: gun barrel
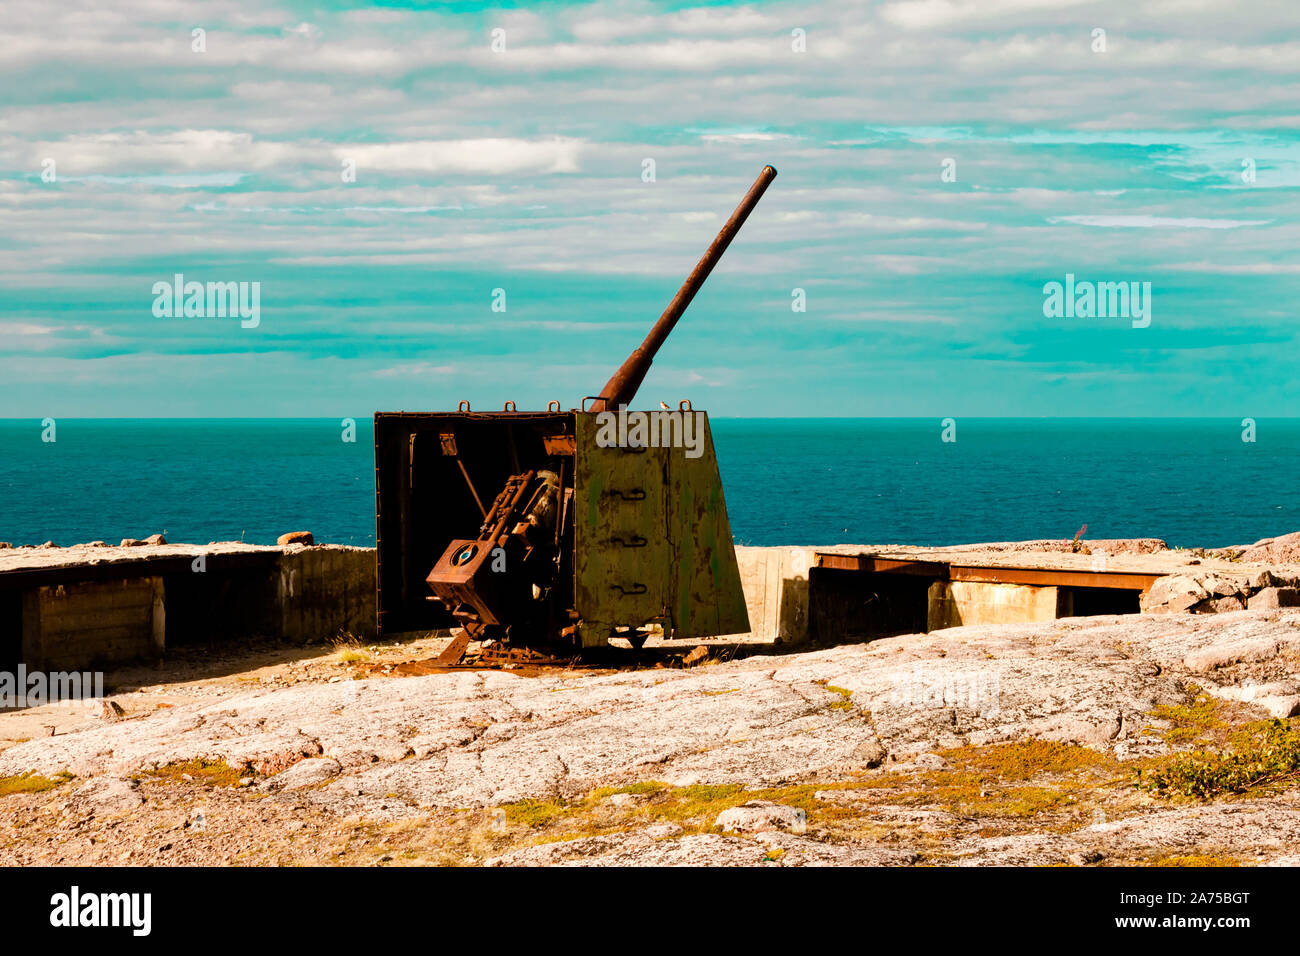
x,y
622,387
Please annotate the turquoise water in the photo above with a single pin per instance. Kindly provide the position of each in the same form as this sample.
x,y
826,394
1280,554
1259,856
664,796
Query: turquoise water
x,y
1193,482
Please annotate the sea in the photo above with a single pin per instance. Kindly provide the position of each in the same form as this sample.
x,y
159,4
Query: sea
x,y
1195,482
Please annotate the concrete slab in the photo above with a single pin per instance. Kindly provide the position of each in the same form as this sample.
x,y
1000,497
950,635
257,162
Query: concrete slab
x,y
86,606
957,603
1098,557
1001,582
27,560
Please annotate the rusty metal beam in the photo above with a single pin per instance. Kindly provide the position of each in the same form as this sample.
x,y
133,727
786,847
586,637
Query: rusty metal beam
x,y
869,562
943,571
1043,577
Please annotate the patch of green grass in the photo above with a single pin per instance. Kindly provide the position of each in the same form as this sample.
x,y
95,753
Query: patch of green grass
x,y
1191,722
699,802
695,807
1007,784
1264,754
968,794
995,780
642,788
31,783
535,813
1024,759
1195,860
350,650
205,773
846,694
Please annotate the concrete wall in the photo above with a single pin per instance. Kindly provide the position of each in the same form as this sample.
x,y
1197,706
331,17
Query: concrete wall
x,y
775,581
72,626
326,591
307,594
786,600
954,603
304,594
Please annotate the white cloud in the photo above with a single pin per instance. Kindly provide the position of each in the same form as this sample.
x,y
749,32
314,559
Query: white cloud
x,y
1238,268
136,155
493,156
928,14
1158,222
414,370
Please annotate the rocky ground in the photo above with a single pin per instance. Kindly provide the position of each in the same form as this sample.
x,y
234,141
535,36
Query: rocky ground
x,y
975,745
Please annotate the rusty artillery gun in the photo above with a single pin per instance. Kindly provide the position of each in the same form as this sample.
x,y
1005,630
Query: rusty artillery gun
x,y
604,522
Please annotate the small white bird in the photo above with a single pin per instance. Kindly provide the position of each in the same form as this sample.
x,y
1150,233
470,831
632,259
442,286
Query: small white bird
x,y
664,406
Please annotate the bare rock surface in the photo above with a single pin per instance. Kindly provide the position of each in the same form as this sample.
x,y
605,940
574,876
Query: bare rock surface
x,y
1272,597
483,738
110,794
1285,547
1254,827
304,773
761,815
1177,592
639,849
385,749
1202,591
643,848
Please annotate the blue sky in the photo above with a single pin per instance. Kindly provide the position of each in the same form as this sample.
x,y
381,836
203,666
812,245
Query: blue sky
x,y
522,170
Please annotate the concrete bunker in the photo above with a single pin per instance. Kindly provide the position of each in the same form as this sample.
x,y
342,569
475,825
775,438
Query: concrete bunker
x,y
866,595
208,607
87,607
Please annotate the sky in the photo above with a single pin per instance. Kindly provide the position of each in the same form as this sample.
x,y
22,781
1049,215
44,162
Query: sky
x,y
941,162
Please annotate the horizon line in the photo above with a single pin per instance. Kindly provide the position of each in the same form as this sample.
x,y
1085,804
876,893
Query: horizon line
x,y
369,417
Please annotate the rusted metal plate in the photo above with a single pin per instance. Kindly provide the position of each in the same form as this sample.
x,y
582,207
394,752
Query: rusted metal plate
x,y
620,531
559,444
869,562
454,651
940,570
502,655
708,599
1056,578
652,538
